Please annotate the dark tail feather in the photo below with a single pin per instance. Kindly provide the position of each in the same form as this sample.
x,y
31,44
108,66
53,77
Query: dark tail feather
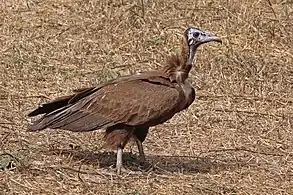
x,y
51,106
56,111
45,120
62,101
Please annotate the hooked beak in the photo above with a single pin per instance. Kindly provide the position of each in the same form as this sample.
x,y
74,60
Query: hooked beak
x,y
205,37
210,38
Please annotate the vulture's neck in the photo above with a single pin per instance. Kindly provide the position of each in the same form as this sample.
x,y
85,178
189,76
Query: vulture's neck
x,y
178,66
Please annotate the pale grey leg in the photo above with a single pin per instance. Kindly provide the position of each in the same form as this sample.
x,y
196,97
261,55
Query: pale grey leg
x,y
141,152
119,160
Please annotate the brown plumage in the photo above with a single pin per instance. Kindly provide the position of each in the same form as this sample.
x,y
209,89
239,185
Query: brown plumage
x,y
129,105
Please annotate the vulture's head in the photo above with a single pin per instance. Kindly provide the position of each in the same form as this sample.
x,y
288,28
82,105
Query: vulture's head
x,y
194,38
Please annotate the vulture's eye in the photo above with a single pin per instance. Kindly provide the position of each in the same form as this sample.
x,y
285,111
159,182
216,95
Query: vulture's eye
x,y
196,34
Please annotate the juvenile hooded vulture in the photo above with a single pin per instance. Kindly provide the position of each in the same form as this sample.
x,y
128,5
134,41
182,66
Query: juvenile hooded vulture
x,y
128,106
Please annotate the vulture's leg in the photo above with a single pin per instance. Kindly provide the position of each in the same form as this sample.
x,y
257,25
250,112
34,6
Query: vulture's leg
x,y
141,152
117,137
119,163
119,160
141,133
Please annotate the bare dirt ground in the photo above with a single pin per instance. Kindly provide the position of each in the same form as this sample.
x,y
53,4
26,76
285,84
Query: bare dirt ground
x,y
235,139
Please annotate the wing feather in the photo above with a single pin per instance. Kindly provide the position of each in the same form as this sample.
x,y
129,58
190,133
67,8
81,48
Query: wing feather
x,y
148,101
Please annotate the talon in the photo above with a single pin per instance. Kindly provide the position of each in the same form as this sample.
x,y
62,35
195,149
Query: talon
x,y
145,166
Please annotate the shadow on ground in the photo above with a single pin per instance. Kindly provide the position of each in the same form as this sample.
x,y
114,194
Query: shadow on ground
x,y
156,163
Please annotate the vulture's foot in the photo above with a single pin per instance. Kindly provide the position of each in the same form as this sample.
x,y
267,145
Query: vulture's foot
x,y
142,158
123,170
120,170
145,166
119,165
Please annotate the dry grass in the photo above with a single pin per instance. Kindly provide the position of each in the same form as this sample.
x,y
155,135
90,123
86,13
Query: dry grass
x,y
235,139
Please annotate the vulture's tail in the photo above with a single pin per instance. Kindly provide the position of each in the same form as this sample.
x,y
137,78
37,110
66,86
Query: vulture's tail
x,y
55,107
51,106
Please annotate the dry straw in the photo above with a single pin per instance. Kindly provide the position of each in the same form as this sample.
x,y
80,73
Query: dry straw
x,y
235,139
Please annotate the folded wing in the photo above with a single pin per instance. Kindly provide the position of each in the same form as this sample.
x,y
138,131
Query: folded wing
x,y
144,101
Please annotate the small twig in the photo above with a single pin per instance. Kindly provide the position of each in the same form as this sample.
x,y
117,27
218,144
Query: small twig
x,y
246,150
92,173
12,156
4,139
81,172
35,96
78,174
142,7
24,97
207,189
235,16
7,123
255,98
273,10
22,185
253,112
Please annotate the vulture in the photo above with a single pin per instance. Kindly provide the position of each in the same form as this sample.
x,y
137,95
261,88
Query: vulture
x,y
128,106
